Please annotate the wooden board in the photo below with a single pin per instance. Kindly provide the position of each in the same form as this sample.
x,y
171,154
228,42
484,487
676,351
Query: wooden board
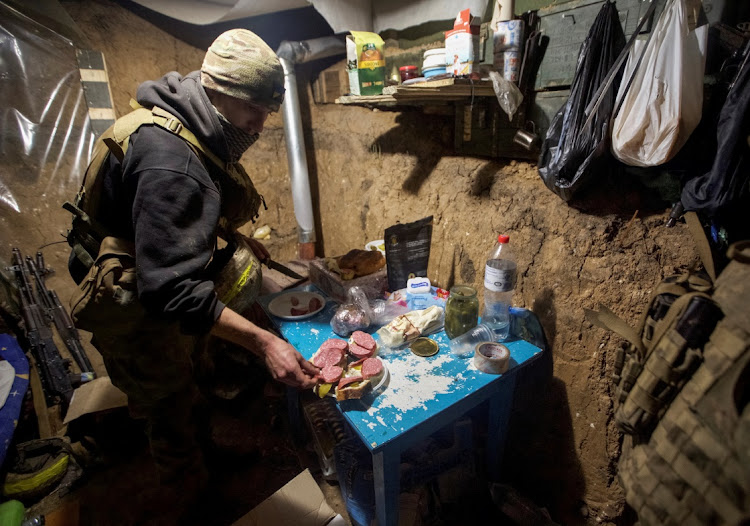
x,y
431,91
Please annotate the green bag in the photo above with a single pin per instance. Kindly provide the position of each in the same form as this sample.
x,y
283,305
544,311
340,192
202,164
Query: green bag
x,y
683,404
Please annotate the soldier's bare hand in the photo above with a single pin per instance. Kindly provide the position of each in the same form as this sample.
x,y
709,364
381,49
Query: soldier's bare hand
x,y
288,366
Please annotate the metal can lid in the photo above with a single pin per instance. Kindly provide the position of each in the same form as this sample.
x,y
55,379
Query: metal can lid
x,y
424,347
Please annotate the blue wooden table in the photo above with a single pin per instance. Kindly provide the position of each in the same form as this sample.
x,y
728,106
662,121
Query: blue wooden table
x,y
422,395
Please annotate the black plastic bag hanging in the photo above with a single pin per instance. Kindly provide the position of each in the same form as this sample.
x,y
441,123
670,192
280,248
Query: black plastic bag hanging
x,y
723,192
572,150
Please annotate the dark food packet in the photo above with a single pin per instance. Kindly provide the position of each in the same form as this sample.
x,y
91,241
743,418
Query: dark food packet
x,y
407,251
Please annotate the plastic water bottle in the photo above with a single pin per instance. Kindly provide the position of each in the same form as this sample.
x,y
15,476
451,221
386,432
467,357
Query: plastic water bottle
x,y
499,282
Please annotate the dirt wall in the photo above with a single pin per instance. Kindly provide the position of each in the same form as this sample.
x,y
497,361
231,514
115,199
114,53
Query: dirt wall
x,y
370,169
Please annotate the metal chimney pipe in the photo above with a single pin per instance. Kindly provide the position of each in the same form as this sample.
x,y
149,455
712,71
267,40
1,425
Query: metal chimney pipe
x,y
290,54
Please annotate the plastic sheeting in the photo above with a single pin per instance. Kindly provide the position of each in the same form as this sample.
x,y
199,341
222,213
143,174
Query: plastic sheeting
x,y
341,15
45,132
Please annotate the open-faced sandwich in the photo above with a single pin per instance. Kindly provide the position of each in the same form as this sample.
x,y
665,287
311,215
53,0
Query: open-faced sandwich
x,y
348,368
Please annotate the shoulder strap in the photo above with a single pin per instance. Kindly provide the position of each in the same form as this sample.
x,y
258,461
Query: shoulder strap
x,y
606,319
701,243
166,120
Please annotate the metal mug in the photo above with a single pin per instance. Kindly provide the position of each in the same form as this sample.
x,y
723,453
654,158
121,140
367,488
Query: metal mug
x,y
528,140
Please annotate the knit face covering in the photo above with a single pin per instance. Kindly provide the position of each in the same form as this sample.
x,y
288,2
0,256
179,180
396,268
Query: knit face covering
x,y
238,141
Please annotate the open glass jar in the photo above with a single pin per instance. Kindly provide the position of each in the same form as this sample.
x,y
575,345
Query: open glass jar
x,y
461,310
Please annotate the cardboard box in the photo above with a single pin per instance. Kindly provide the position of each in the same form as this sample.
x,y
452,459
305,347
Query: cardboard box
x,y
365,63
462,44
374,285
299,502
330,85
92,397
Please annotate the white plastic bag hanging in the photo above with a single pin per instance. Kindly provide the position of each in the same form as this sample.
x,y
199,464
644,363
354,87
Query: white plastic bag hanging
x,y
664,101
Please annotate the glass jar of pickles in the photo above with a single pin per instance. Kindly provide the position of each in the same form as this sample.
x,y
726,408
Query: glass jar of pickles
x,y
461,310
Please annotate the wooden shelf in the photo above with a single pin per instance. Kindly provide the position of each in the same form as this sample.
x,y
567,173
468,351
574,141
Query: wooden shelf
x,y
440,91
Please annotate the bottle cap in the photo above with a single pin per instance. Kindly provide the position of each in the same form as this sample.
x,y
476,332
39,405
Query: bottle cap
x,y
503,239
418,285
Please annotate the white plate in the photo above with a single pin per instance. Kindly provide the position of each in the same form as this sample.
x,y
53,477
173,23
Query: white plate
x,y
383,381
378,245
377,388
281,306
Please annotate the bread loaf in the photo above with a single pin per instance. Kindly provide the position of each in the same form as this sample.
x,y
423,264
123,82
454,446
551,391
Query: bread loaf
x,y
357,263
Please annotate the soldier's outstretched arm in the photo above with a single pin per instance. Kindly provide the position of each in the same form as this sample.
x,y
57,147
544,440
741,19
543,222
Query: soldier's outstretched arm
x,y
284,362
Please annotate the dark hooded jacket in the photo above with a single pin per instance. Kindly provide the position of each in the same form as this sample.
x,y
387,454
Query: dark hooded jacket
x,y
165,199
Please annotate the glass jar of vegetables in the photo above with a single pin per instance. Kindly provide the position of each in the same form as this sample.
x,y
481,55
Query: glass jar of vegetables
x,y
461,310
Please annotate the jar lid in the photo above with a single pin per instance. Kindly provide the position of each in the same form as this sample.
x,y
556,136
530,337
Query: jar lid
x,y
463,291
408,68
424,347
438,51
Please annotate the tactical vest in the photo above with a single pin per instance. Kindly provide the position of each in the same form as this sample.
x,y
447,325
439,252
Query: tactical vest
x,y
682,385
694,468
237,271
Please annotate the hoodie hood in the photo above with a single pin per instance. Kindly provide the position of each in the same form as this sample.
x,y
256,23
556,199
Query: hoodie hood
x,y
185,98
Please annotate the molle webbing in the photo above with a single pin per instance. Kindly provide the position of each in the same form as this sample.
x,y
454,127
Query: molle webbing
x,y
694,466
240,200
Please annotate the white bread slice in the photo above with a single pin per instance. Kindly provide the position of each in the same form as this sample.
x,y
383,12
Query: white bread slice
x,y
353,391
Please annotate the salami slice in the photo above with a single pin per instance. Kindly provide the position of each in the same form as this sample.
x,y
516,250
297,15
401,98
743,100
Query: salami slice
x,y
364,340
336,343
313,304
358,362
328,356
371,367
331,374
359,352
349,380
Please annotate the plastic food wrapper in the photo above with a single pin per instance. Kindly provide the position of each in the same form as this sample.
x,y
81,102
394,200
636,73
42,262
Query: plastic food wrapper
x,y
383,311
410,326
354,315
508,95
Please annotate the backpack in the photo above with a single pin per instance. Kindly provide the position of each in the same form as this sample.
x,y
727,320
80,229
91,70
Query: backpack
x,y
681,387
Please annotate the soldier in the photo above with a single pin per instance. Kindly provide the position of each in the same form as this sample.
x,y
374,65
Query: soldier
x,y
163,184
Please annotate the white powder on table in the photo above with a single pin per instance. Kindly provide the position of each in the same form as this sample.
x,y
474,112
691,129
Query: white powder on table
x,y
414,381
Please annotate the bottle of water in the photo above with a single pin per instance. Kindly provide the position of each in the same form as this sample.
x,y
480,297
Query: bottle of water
x,y
499,282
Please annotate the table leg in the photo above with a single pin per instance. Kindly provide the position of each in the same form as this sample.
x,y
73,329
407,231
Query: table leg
x,y
294,414
501,404
386,472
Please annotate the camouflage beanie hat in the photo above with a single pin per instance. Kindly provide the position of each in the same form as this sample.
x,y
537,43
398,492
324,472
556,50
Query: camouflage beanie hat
x,y
241,65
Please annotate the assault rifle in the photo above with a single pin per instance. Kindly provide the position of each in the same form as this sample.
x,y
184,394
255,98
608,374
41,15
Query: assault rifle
x,y
59,316
53,371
